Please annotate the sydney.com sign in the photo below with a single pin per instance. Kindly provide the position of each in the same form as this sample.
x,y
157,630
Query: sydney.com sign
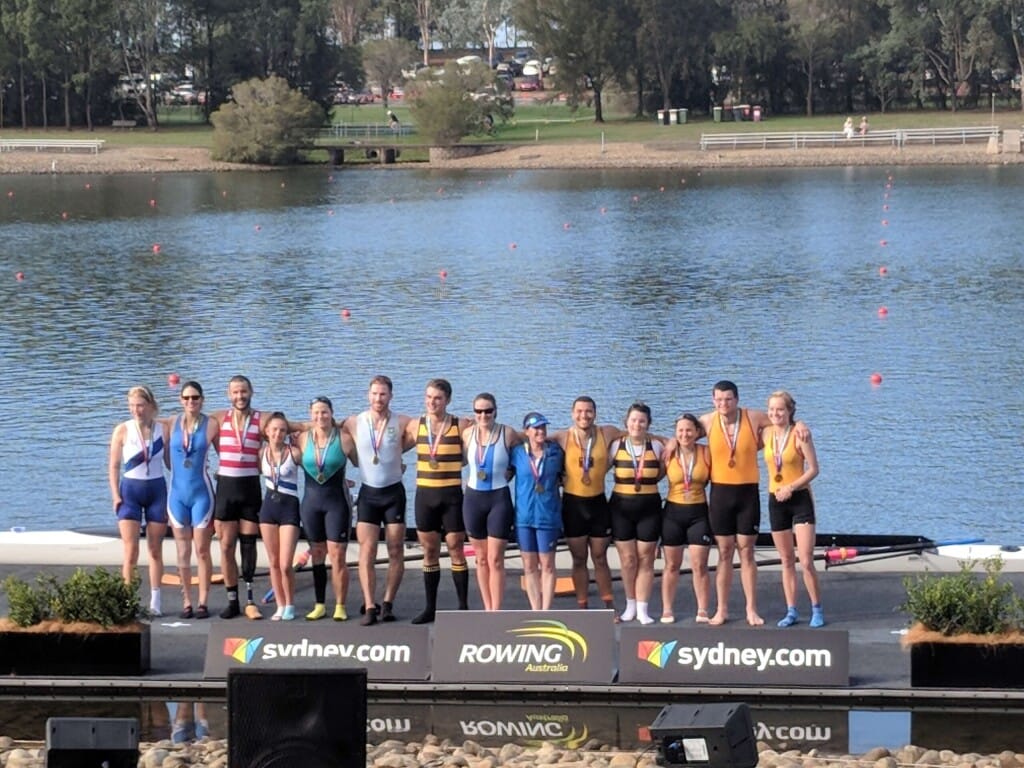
x,y
403,653
522,646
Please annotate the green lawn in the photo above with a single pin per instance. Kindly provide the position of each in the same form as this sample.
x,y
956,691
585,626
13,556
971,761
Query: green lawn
x,y
545,122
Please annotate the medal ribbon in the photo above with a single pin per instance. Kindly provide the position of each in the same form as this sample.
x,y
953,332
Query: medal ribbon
x,y
687,468
778,448
536,465
483,449
240,438
321,458
147,448
188,436
731,441
275,473
638,461
586,451
377,436
434,441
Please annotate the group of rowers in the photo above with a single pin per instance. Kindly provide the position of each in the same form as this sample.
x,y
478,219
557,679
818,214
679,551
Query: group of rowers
x,y
466,470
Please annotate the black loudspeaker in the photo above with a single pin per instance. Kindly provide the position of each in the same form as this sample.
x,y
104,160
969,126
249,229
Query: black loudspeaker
x,y
84,742
715,735
288,718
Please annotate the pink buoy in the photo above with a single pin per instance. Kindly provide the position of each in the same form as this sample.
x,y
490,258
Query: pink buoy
x,y
512,246
883,243
19,276
346,314
152,203
330,212
64,215
173,380
88,186
444,274
885,207
883,311
567,226
885,222
10,193
883,270
603,210
661,189
636,198
876,379
156,247
257,228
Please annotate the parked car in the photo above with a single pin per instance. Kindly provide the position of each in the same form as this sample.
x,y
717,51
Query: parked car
x,y
186,94
529,83
532,67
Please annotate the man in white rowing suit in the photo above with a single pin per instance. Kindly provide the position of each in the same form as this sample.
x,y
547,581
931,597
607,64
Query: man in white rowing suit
x,y
380,438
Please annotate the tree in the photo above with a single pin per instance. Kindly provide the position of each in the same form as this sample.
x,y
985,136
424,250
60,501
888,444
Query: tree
x,y
347,19
267,122
476,21
384,61
139,25
674,38
460,102
812,26
589,38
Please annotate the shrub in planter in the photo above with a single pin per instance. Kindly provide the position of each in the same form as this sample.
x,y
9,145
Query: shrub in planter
x,y
967,630
86,625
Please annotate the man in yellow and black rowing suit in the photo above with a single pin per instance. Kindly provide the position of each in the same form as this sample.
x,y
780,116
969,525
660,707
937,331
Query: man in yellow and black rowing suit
x,y
439,459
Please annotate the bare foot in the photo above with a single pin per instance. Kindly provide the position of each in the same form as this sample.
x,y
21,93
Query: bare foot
x,y
718,619
753,619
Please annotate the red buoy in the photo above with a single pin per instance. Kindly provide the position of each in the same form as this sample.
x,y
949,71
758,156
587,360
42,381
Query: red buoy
x,y
19,276
257,228
883,270
346,314
883,243
173,380
512,246
876,379
444,274
567,226
156,247
885,222
603,210
152,203
883,311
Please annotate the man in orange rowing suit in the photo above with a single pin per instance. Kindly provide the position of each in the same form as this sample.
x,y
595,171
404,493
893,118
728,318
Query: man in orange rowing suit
x,y
734,438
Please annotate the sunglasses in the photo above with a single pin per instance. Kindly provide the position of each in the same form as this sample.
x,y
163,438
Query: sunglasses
x,y
325,400
487,411
192,397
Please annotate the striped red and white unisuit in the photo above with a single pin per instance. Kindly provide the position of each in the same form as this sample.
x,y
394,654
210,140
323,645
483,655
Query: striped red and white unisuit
x,y
239,460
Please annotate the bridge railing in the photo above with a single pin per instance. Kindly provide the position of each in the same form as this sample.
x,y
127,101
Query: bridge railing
x,y
802,139
366,131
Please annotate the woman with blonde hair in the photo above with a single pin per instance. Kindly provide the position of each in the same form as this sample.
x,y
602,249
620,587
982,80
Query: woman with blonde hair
x,y
792,464
135,470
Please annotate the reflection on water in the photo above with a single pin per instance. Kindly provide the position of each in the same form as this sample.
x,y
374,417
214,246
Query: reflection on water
x,y
832,731
556,284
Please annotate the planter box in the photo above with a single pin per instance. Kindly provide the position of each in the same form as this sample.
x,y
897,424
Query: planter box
x,y
966,665
68,654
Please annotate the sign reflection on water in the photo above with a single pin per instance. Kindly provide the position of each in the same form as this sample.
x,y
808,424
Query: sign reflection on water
x,y
767,277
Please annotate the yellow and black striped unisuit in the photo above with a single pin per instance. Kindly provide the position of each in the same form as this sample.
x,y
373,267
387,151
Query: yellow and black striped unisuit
x,y
625,476
448,472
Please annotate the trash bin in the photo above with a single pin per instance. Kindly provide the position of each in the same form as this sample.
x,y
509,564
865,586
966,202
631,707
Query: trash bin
x,y
673,116
717,111
682,115
663,116
757,114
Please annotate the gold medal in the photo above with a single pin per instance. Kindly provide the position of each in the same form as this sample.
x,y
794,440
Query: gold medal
x,y
586,478
482,474
778,478
539,487
376,459
637,487
434,463
320,477
732,462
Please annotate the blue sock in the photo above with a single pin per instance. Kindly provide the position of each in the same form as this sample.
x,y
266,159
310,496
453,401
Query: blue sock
x,y
790,618
817,617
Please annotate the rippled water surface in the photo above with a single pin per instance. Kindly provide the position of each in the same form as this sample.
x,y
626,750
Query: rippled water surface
x,y
622,285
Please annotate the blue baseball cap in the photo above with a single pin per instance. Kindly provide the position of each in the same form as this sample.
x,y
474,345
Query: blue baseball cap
x,y
534,419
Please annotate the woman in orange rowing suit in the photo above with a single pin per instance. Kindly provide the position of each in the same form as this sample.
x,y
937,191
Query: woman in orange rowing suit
x,y
685,521
792,464
636,509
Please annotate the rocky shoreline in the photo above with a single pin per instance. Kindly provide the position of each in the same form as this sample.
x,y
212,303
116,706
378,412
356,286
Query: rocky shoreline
x,y
434,752
652,155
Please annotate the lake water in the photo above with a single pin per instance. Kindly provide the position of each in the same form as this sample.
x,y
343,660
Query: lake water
x,y
622,285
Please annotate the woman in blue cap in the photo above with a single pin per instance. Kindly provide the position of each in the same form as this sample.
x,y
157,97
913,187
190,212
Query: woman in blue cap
x,y
538,464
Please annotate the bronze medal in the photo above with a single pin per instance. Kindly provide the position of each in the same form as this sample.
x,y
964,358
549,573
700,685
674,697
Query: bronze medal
x,y
778,478
434,464
482,473
586,478
539,487
320,477
188,464
732,462
376,459
637,487
275,496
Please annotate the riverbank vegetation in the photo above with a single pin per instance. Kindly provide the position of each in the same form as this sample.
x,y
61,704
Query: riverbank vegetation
x,y
124,62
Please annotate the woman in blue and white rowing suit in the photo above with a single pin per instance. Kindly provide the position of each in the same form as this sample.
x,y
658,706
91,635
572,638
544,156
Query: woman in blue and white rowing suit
x,y
190,498
487,504
137,448
326,507
538,464
279,513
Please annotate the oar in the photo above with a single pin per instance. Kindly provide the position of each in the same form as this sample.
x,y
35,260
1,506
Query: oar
x,y
840,555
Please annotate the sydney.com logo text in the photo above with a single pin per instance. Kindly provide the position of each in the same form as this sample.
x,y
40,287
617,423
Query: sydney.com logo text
x,y
543,645
245,649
